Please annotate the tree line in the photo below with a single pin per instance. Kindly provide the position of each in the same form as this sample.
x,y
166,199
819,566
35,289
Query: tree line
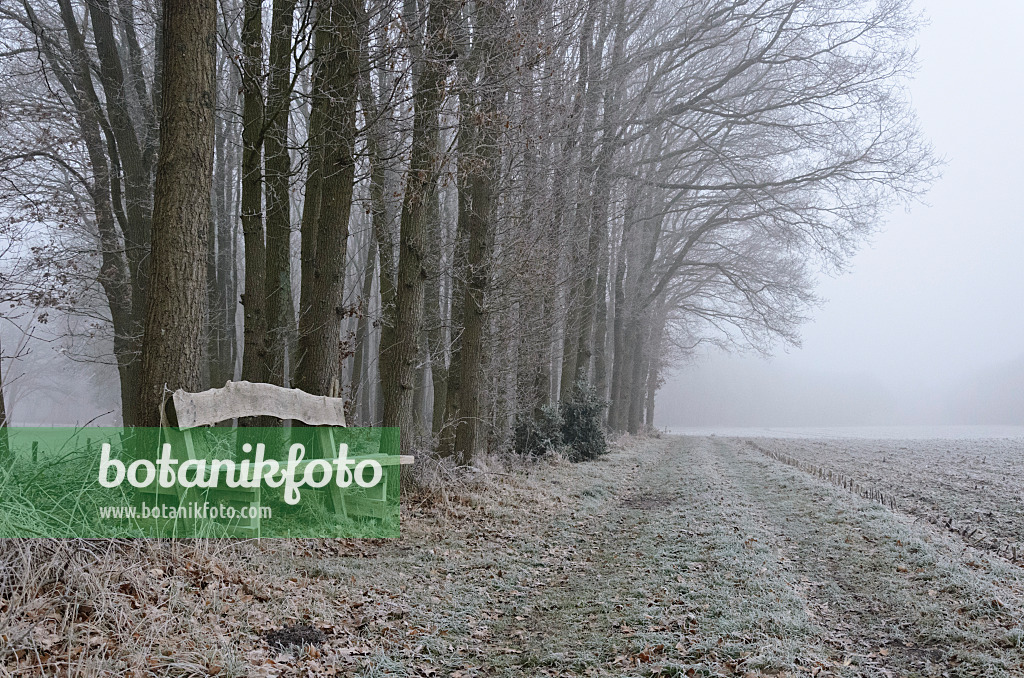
x,y
457,215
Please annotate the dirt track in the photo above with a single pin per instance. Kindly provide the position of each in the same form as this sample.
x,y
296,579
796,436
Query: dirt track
x,y
691,557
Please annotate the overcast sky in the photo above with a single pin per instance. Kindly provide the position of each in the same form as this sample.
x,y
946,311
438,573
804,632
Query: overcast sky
x,y
937,295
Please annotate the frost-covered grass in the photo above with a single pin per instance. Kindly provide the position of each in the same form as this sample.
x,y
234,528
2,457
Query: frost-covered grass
x,y
680,556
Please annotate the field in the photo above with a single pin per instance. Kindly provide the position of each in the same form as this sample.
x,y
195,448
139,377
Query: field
x,y
972,487
680,556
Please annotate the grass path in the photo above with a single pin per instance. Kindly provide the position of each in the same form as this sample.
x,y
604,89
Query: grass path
x,y
670,557
695,557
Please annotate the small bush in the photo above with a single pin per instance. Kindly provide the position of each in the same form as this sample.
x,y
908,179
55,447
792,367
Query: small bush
x,y
540,431
581,423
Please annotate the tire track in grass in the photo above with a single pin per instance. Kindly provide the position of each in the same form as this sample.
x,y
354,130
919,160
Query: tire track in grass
x,y
679,582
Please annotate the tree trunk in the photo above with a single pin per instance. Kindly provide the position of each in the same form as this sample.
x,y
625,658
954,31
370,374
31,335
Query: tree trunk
x,y
465,139
256,353
337,44
483,187
383,239
397,370
359,385
596,271
221,273
601,325
635,385
135,152
619,360
114,276
531,391
172,348
385,247
280,312
583,108
434,341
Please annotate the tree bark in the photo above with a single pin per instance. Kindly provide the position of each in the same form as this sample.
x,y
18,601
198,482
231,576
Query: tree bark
x,y
222,300
584,108
172,348
359,384
280,311
434,339
323,270
397,369
134,151
619,324
465,137
635,386
383,244
256,357
653,382
483,187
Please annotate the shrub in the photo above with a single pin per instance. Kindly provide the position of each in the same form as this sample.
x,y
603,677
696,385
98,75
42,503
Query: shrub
x,y
540,431
581,423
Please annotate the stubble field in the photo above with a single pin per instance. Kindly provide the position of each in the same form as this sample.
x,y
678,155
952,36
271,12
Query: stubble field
x,y
971,487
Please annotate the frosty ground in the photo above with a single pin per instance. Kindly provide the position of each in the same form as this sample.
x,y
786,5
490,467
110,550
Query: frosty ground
x,y
673,556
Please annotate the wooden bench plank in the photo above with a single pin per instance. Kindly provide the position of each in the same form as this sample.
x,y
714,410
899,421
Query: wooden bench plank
x,y
246,399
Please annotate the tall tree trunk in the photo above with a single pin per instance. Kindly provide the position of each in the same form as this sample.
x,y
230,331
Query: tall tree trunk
x,y
596,270
653,382
434,339
323,274
583,108
636,386
369,375
222,270
172,349
280,312
359,384
533,359
619,324
383,239
601,324
385,245
483,187
465,139
397,371
256,357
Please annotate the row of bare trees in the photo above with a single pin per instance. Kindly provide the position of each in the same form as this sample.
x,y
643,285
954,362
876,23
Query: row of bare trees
x,y
454,214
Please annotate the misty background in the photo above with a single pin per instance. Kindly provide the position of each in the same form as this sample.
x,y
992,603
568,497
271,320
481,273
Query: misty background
x,y
926,326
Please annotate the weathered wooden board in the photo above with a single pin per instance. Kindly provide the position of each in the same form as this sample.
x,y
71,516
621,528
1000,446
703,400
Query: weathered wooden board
x,y
246,399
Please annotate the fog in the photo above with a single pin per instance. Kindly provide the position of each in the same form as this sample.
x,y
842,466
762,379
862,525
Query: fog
x,y
926,325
